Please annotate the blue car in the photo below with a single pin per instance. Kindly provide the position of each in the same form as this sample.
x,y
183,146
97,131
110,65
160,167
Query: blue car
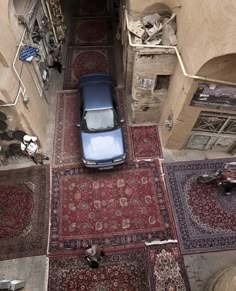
x,y
101,132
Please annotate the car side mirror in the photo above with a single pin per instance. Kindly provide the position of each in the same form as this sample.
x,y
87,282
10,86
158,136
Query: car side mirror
x,y
77,124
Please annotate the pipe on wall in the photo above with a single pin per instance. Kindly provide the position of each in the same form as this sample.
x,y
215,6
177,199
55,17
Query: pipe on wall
x,y
22,89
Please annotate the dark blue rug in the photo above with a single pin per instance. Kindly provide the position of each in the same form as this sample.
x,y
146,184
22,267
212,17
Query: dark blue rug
x,y
205,219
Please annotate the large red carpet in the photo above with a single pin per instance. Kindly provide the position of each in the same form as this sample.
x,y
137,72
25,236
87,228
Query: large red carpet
x,y
87,60
205,219
125,206
24,212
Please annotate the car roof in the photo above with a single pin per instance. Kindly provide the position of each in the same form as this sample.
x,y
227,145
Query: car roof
x,y
97,96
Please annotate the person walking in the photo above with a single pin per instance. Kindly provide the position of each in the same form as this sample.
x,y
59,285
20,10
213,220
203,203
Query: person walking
x,y
93,255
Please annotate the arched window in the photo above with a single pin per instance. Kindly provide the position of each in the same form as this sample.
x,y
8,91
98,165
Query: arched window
x,y
221,68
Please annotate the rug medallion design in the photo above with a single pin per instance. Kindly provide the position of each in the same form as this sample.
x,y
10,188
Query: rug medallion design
x,y
24,196
67,135
91,32
123,270
121,206
206,219
87,60
166,268
145,142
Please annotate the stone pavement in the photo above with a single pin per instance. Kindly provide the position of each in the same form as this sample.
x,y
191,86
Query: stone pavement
x,y
201,267
33,270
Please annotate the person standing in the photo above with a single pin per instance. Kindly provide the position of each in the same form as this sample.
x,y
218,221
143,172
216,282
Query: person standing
x,y
29,147
53,61
229,177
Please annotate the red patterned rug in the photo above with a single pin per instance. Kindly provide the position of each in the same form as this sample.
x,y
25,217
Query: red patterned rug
x,y
127,205
87,60
145,142
24,200
205,219
121,270
166,268
93,7
95,31
67,139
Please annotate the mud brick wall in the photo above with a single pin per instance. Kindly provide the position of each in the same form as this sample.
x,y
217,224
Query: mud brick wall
x,y
148,64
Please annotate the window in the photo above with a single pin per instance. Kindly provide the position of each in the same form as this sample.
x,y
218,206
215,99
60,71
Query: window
x,y
162,82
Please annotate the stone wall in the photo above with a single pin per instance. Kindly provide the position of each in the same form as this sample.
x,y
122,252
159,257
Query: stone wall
x,y
203,38
150,66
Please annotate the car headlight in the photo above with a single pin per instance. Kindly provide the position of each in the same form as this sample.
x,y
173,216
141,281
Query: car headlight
x,y
89,162
121,158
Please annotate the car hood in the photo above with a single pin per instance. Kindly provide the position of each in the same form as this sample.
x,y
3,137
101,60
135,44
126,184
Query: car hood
x,y
102,145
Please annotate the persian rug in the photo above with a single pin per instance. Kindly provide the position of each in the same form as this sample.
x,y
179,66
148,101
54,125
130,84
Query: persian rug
x,y
87,60
120,270
67,135
95,31
145,142
66,149
126,205
24,212
205,219
166,268
93,8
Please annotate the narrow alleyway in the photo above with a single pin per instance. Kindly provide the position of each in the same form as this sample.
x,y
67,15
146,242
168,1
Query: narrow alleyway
x,y
120,209
127,210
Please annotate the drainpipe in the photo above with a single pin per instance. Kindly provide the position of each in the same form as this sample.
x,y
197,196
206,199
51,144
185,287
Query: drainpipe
x,y
22,89
178,56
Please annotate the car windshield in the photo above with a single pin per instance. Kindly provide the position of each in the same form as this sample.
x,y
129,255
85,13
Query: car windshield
x,y
100,120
